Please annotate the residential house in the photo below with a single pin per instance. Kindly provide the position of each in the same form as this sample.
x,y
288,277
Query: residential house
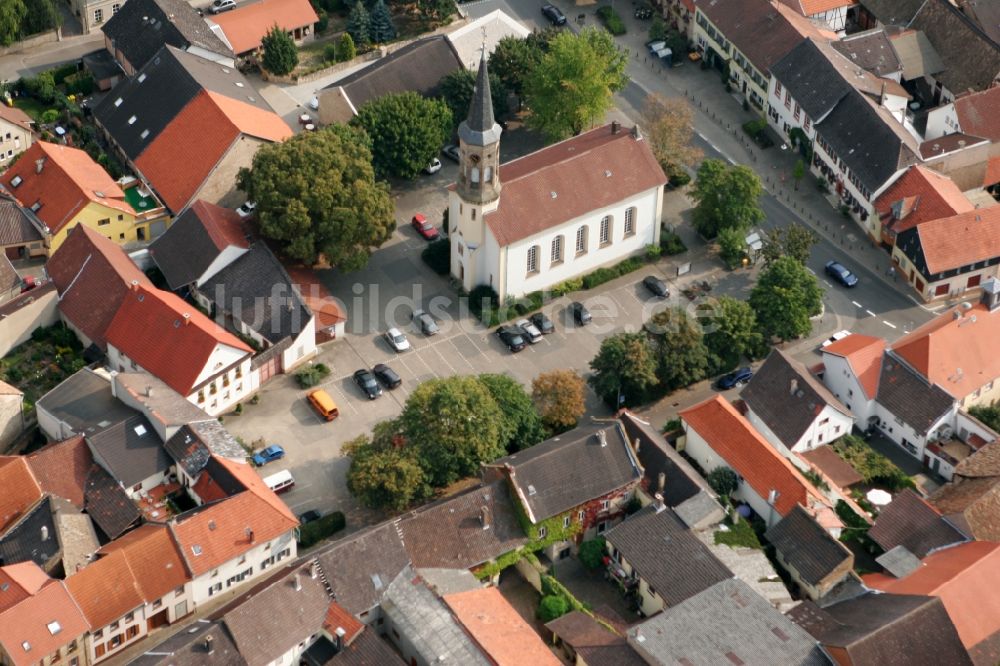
x,y
512,224
199,445
16,132
93,13
367,649
872,51
885,629
920,195
913,522
654,553
679,14
791,408
579,483
39,622
183,104
103,68
202,642
64,188
586,642
956,576
244,27
971,502
136,32
816,561
21,490
202,361
132,453
417,67
716,435
974,114
330,317
11,414
754,632
833,15
485,32
22,234
203,240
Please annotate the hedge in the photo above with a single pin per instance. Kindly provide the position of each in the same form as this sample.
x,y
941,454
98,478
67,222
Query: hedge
x,y
325,527
312,375
437,255
612,21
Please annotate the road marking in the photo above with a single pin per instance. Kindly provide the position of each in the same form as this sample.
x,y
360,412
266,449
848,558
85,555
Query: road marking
x,y
714,147
450,366
831,286
890,325
870,312
460,355
856,304
813,272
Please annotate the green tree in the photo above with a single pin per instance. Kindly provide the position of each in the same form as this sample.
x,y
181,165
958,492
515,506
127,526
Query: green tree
x,y
345,48
725,197
41,87
359,25
552,606
512,60
384,478
381,28
457,89
988,414
12,13
591,553
798,172
625,366
723,481
40,16
732,245
795,241
560,398
454,425
657,29
438,11
316,195
730,332
669,125
280,55
406,131
572,87
785,297
521,427
679,344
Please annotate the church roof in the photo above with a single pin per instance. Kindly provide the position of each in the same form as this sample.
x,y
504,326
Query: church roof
x,y
480,128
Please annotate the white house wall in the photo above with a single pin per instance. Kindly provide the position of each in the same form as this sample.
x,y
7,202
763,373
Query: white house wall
x,y
204,587
302,348
841,381
941,121
224,258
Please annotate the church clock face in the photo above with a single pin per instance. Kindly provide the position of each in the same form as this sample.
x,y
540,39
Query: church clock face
x,y
474,158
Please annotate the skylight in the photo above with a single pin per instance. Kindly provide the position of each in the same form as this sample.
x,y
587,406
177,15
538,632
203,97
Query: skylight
x,y
196,549
140,430
131,121
118,102
142,77
144,134
54,627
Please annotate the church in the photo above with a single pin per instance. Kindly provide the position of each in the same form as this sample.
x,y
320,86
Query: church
x,y
553,215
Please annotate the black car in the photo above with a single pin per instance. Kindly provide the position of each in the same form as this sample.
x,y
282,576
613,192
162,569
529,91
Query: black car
x,y
837,271
543,323
581,315
735,378
309,516
387,376
366,382
513,337
554,15
451,152
656,286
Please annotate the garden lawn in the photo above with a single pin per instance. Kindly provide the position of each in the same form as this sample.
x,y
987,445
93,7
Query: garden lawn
x,y
32,107
40,364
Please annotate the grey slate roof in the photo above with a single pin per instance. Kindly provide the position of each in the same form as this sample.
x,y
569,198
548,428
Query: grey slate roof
x,y
157,401
871,50
450,534
256,289
595,644
788,413
187,249
726,624
899,562
160,90
909,397
893,12
102,65
912,522
367,650
917,55
188,451
107,504
681,480
812,79
130,450
480,128
566,471
360,567
17,225
85,402
971,59
22,542
191,648
665,554
885,629
139,29
807,547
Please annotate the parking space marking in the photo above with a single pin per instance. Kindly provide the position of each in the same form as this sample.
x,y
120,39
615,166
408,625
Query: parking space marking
x,y
889,324
856,304
830,286
441,356
870,312
811,271
458,352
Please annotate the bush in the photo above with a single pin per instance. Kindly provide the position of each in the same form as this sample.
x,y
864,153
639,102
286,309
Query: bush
x,y
49,116
740,533
591,553
325,527
672,243
63,72
723,481
437,255
312,375
598,277
755,127
345,48
551,607
873,467
80,83
330,53
612,21
653,252
322,23
567,287
677,175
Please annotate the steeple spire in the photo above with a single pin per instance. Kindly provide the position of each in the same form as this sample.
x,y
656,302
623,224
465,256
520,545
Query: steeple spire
x,y
480,128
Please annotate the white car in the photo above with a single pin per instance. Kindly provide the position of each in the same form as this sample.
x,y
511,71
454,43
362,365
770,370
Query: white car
x,y
247,209
314,103
530,330
839,335
397,340
434,166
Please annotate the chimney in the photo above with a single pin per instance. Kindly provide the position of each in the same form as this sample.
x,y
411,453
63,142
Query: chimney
x,y
45,533
339,640
249,532
602,437
793,386
297,582
615,128
187,318
209,648
661,482
149,391
660,506
991,294
484,517
39,163
636,444
636,133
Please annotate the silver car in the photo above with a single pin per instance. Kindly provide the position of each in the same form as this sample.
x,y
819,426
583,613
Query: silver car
x,y
531,331
426,322
396,339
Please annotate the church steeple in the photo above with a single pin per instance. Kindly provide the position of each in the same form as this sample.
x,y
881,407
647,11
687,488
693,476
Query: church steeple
x,y
479,143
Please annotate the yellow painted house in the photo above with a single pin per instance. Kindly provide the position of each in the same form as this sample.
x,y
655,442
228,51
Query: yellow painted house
x,y
65,187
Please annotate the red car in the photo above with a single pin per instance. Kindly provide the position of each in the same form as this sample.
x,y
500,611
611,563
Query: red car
x,y
423,227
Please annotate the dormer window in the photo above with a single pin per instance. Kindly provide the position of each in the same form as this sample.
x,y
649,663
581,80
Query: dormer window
x,y
15,181
118,102
144,134
131,121
142,77
35,207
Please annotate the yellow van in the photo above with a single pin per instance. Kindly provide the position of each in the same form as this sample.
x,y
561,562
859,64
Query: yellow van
x,y
324,404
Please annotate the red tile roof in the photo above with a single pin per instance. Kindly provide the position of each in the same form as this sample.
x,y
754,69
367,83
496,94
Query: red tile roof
x,y
992,175
61,468
571,178
979,114
93,275
252,481
813,7
864,355
68,181
732,437
315,295
928,196
835,468
963,577
246,25
207,489
967,238
18,489
338,618
167,337
20,581
28,630
15,115
203,132
499,629
154,560
223,225
105,589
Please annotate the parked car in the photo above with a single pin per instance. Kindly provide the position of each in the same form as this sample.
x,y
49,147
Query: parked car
x,y
396,339
309,516
324,404
531,331
366,382
656,286
512,337
554,15
387,376
426,322
268,454
837,271
735,378
451,152
247,209
543,323
433,167
581,315
839,335
219,6
423,227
